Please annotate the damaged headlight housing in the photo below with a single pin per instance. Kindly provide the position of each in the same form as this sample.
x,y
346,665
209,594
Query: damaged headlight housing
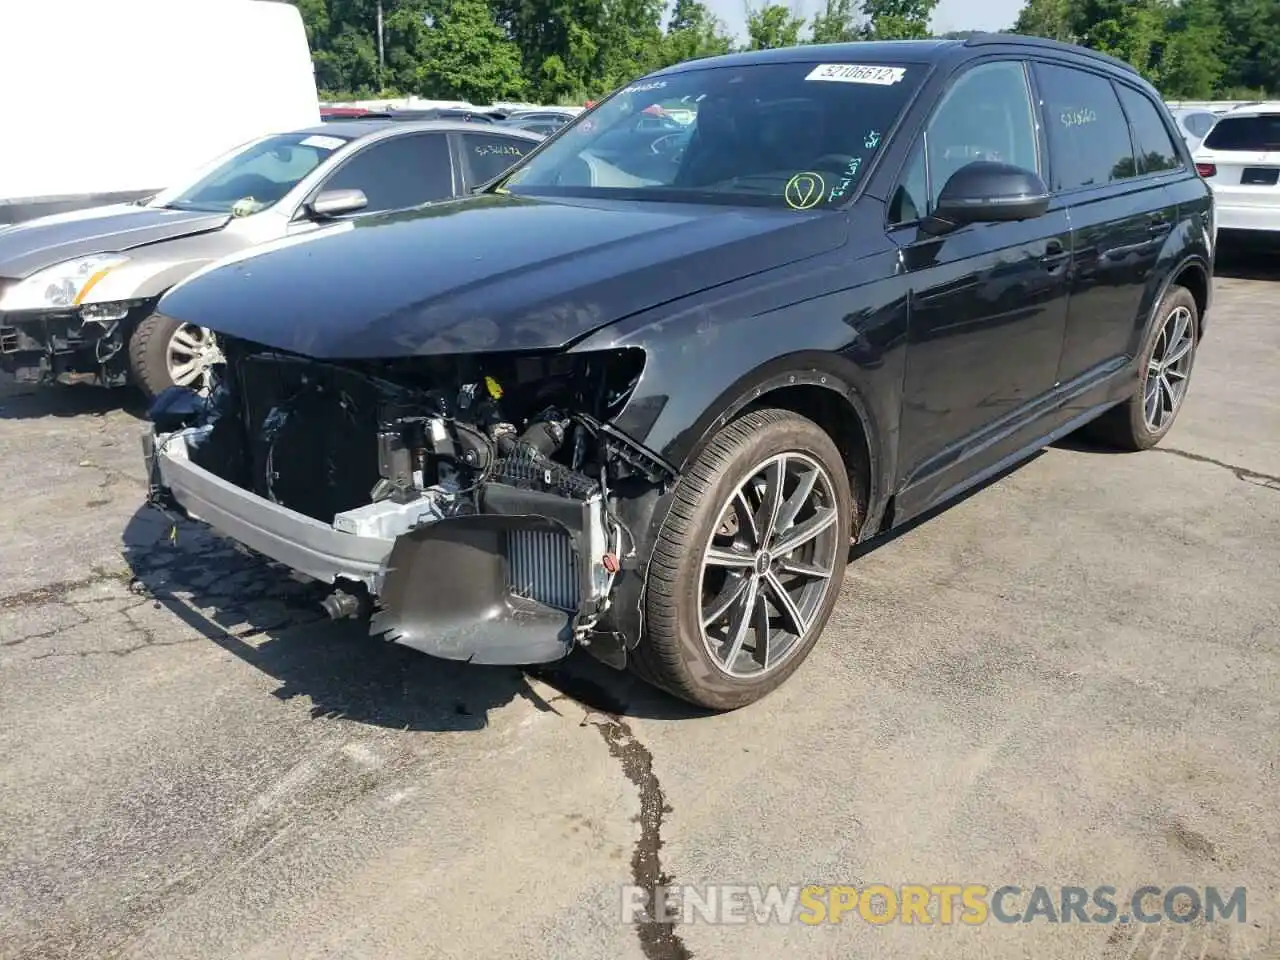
x,y
61,287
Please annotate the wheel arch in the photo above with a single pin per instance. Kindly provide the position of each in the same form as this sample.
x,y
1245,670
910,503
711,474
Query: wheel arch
x,y
813,386
1194,274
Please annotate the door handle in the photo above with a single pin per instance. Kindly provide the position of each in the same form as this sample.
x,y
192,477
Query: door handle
x,y
1054,254
1159,227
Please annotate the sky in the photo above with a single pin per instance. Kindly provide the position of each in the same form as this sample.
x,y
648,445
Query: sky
x,y
950,15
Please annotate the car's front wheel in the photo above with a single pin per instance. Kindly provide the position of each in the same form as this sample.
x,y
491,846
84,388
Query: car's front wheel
x,y
164,352
749,561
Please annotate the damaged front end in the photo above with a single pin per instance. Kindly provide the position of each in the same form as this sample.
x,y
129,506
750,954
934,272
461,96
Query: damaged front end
x,y
469,505
84,343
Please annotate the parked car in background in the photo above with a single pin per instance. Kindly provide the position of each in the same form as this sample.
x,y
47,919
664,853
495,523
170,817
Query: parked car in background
x,y
442,113
646,403
338,114
77,289
1194,123
544,122
1240,159
160,76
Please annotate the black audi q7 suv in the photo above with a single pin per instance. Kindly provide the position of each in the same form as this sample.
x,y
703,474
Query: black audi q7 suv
x,y
643,400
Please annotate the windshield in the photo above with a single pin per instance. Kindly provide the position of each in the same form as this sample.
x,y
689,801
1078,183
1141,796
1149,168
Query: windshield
x,y
773,134
1256,134
254,177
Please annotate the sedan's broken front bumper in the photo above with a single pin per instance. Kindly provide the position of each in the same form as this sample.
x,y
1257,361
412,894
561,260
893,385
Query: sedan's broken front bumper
x,y
514,585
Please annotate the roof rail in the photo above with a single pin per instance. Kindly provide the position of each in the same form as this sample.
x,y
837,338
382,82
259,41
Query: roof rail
x,y
991,39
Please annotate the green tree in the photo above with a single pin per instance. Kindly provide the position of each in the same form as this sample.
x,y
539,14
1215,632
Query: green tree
x,y
1191,65
631,41
557,45
1133,30
1046,18
773,26
463,54
1251,44
693,32
898,19
837,22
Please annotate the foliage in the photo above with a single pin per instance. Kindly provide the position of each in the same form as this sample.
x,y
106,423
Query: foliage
x,y
837,22
1190,49
568,51
898,19
773,26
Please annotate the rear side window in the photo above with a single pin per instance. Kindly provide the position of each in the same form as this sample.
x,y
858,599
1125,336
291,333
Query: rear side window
x,y
400,172
1089,141
489,155
1153,146
1259,134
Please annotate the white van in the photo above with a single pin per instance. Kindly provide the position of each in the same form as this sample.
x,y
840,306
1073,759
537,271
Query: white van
x,y
110,102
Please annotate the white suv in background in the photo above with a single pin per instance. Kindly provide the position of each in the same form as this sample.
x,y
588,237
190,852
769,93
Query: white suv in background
x,y
1240,159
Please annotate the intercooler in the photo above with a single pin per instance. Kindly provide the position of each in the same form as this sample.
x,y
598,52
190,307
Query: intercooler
x,y
542,566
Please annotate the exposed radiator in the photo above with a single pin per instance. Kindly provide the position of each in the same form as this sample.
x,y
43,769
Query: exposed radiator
x,y
544,568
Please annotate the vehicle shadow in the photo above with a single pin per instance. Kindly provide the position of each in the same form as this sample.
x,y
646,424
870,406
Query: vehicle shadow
x,y
1238,260
256,611
25,401
884,539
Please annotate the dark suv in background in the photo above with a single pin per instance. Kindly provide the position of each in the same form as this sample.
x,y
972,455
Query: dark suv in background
x,y
643,392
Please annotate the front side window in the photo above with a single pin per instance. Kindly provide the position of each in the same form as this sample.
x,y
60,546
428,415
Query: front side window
x,y
1256,134
798,135
986,115
488,155
1153,146
402,172
1089,143
255,177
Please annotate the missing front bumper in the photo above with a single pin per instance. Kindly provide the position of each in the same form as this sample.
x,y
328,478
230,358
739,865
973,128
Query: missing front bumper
x,y
516,583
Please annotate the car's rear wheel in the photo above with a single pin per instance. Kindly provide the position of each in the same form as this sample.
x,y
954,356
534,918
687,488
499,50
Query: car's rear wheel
x,y
749,561
164,352
1164,375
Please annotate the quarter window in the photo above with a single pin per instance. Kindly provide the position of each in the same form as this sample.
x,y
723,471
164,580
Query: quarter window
x,y
1153,146
986,115
1089,141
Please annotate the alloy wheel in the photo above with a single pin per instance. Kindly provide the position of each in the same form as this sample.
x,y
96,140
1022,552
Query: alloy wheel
x,y
1168,370
193,353
769,565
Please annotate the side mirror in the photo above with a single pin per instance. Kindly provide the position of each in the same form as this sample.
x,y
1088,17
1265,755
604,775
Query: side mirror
x,y
335,203
987,192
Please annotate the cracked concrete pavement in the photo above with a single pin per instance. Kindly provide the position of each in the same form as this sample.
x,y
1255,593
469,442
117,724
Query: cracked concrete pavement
x,y
1070,677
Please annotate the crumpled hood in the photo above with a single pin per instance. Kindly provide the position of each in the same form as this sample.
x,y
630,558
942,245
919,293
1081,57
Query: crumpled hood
x,y
35,244
488,273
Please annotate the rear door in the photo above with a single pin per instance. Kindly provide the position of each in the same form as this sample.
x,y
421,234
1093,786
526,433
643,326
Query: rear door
x,y
1120,210
486,155
1241,160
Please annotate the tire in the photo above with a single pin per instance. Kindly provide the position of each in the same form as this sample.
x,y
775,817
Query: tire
x,y
149,351
1130,426
673,653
